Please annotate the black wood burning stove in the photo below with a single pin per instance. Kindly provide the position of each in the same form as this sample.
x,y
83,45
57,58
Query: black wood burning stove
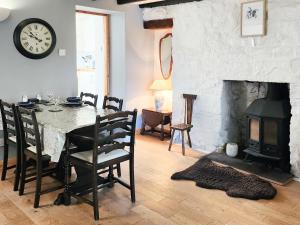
x,y
268,126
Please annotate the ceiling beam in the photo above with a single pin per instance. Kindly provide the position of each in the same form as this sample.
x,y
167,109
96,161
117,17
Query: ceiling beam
x,y
122,2
165,3
158,24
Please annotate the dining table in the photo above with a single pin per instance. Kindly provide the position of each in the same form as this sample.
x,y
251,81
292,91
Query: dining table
x,y
55,123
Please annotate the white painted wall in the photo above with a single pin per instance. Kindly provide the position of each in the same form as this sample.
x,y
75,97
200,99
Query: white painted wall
x,y
208,48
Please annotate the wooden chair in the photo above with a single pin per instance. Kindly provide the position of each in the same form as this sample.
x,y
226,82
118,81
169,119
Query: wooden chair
x,y
187,125
11,135
82,137
107,151
94,99
113,103
32,147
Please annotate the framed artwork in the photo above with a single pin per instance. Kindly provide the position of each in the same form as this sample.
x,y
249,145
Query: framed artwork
x,y
253,18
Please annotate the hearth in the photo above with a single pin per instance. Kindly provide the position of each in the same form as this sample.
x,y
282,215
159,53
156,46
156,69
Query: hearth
x,y
268,121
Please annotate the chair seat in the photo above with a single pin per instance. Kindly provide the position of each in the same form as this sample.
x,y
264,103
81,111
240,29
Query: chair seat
x,y
88,155
182,126
13,139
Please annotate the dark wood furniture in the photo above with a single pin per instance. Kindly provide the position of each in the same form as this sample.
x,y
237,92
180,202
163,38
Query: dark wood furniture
x,y
187,125
93,99
153,119
82,137
159,24
11,136
32,147
108,150
116,104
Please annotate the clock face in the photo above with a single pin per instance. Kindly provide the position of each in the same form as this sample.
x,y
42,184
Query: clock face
x,y
34,38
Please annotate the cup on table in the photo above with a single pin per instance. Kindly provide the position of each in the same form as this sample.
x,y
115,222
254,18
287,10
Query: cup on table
x,y
24,98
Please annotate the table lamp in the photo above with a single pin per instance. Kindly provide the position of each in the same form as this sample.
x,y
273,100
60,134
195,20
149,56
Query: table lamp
x,y
159,86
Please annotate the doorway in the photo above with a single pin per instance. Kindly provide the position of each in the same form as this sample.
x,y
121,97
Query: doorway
x,y
92,35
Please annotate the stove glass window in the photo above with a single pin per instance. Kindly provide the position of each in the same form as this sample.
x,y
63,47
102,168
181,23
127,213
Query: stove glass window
x,y
254,129
270,132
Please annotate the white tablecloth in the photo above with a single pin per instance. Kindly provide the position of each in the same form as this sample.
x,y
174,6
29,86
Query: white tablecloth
x,y
56,125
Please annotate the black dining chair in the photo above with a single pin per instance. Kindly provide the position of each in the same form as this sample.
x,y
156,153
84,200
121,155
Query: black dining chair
x,y
81,137
113,103
109,148
89,99
11,135
32,147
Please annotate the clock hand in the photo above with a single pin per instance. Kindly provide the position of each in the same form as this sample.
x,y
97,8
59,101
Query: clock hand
x,y
36,38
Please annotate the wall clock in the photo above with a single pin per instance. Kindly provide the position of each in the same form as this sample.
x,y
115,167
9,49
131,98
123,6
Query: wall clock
x,y
34,38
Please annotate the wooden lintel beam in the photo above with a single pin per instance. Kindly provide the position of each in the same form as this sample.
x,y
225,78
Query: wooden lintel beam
x,y
158,24
166,3
122,2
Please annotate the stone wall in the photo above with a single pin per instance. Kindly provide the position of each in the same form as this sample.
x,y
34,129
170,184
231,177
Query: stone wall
x,y
208,48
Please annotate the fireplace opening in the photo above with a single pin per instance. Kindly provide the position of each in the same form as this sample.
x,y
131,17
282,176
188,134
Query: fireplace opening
x,y
256,116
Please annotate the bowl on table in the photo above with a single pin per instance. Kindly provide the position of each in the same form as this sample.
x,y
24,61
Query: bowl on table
x,y
28,105
73,99
34,100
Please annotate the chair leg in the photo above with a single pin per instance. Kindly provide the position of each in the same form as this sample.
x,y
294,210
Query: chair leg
x,y
95,196
182,142
5,161
111,176
189,138
132,184
23,175
38,184
171,141
17,171
119,170
17,176
67,175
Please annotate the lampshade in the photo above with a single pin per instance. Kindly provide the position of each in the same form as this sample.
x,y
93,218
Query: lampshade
x,y
4,14
160,85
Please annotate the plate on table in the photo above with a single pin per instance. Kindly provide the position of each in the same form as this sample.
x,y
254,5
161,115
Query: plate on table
x,y
28,105
73,104
73,99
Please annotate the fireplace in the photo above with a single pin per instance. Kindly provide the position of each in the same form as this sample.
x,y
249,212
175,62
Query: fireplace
x,y
268,121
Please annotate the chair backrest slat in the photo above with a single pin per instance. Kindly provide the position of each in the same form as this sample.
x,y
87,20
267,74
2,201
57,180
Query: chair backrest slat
x,y
188,112
10,121
12,132
27,120
110,147
8,113
113,103
91,96
30,133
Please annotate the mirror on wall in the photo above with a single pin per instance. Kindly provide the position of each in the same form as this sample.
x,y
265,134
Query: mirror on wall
x,y
165,55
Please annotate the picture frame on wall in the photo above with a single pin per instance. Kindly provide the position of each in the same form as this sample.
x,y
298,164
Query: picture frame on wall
x,y
253,18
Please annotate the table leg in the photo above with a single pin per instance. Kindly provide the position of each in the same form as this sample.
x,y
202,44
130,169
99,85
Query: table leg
x,y
162,133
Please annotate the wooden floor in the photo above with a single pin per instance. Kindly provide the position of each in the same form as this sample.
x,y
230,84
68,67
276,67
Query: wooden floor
x,y
159,199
